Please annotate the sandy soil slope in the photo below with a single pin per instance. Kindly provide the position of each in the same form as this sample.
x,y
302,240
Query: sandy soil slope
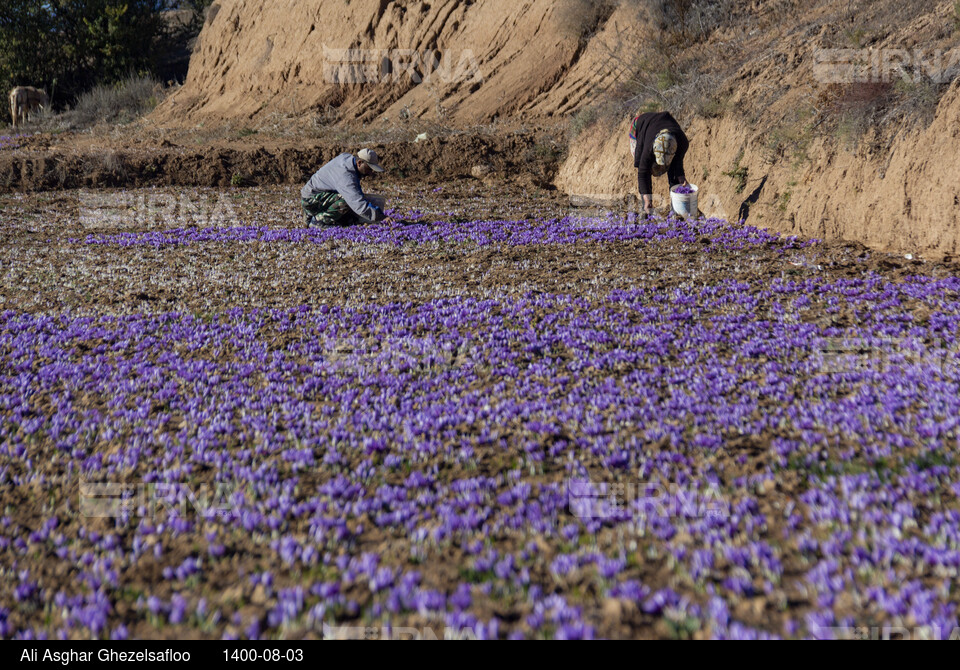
x,y
495,59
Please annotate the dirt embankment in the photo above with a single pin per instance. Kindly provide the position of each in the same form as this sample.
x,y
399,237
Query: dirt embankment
x,y
459,62
528,158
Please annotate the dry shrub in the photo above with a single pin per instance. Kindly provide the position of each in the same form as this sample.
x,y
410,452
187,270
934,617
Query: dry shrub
x,y
857,107
582,18
121,103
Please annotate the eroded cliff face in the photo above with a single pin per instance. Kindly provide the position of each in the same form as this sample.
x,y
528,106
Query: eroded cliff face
x,y
460,62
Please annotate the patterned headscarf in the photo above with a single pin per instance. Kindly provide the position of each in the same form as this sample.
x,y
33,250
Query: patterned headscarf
x,y
664,148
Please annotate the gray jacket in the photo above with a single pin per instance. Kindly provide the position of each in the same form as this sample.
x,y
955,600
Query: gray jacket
x,y
341,175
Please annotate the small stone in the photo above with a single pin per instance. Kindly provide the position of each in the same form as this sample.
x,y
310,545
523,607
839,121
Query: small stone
x,y
481,171
612,609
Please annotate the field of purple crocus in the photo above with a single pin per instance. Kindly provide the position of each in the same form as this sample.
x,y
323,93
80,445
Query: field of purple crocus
x,y
487,420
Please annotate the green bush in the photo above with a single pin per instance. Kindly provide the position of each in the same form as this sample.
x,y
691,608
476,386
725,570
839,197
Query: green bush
x,y
738,173
68,47
582,120
198,15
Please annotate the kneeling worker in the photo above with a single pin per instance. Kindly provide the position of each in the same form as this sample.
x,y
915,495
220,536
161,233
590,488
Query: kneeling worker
x,y
658,146
333,196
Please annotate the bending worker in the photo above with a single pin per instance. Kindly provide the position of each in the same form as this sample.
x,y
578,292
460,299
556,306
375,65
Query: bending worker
x,y
658,146
333,196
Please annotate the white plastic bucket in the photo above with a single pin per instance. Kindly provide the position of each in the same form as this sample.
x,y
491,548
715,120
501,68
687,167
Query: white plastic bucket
x,y
685,205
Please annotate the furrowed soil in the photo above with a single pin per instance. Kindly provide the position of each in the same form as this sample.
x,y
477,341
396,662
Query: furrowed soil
x,y
141,155
49,265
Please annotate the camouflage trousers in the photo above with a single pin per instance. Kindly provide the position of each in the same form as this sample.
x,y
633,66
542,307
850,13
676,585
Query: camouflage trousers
x,y
327,208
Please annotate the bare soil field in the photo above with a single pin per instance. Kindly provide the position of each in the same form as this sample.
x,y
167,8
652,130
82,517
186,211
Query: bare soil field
x,y
142,155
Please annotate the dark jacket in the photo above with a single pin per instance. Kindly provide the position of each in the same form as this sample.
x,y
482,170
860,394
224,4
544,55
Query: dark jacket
x,y
647,127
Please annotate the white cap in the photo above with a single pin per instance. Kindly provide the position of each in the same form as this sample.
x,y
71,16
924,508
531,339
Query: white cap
x,y
371,158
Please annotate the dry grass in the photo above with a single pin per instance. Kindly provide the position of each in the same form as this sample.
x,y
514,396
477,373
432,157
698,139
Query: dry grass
x,y
119,104
582,18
